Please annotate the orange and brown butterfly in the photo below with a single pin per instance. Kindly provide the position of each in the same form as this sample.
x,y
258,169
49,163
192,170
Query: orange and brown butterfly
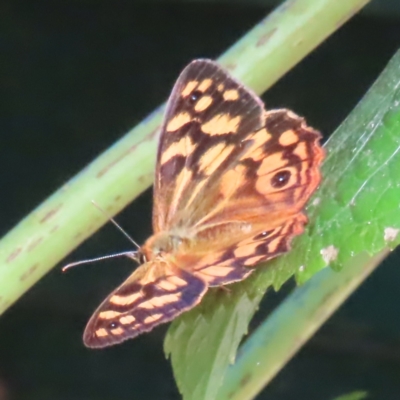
x,y
231,182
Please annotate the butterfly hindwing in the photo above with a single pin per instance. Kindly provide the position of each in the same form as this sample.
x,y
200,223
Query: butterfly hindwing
x,y
234,263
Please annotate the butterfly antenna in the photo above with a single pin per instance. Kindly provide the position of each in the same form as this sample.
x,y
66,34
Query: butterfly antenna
x,y
119,227
130,254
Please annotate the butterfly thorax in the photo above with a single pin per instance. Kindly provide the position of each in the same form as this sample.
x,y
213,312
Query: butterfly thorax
x,y
162,244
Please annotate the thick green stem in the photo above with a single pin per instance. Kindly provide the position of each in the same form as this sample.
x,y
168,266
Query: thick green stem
x,y
122,172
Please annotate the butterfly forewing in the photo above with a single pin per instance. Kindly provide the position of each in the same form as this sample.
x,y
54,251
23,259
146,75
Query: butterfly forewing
x,y
207,116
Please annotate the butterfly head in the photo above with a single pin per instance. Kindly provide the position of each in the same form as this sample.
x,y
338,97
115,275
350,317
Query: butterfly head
x,y
162,244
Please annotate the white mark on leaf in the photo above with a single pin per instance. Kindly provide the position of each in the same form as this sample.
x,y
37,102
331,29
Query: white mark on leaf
x,y
329,254
390,234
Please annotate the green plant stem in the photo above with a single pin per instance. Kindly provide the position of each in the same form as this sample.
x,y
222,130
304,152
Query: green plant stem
x,y
284,37
275,342
122,172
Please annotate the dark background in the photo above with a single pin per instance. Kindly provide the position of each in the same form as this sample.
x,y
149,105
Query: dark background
x,y
74,77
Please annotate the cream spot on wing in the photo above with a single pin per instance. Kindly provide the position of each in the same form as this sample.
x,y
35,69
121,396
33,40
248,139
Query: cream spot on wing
x,y
209,259
109,314
329,254
117,331
160,301
220,87
189,88
101,332
178,121
230,181
149,277
203,103
152,318
147,305
253,260
221,124
230,95
288,137
166,285
219,271
301,151
177,281
127,319
273,245
183,147
212,158
285,229
124,300
245,251
204,85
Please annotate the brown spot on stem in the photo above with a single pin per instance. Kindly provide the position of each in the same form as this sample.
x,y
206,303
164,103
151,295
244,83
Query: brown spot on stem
x,y
77,235
108,167
265,37
50,214
34,243
245,380
54,228
29,272
14,254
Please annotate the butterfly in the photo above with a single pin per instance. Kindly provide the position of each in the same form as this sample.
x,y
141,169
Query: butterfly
x,y
231,183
